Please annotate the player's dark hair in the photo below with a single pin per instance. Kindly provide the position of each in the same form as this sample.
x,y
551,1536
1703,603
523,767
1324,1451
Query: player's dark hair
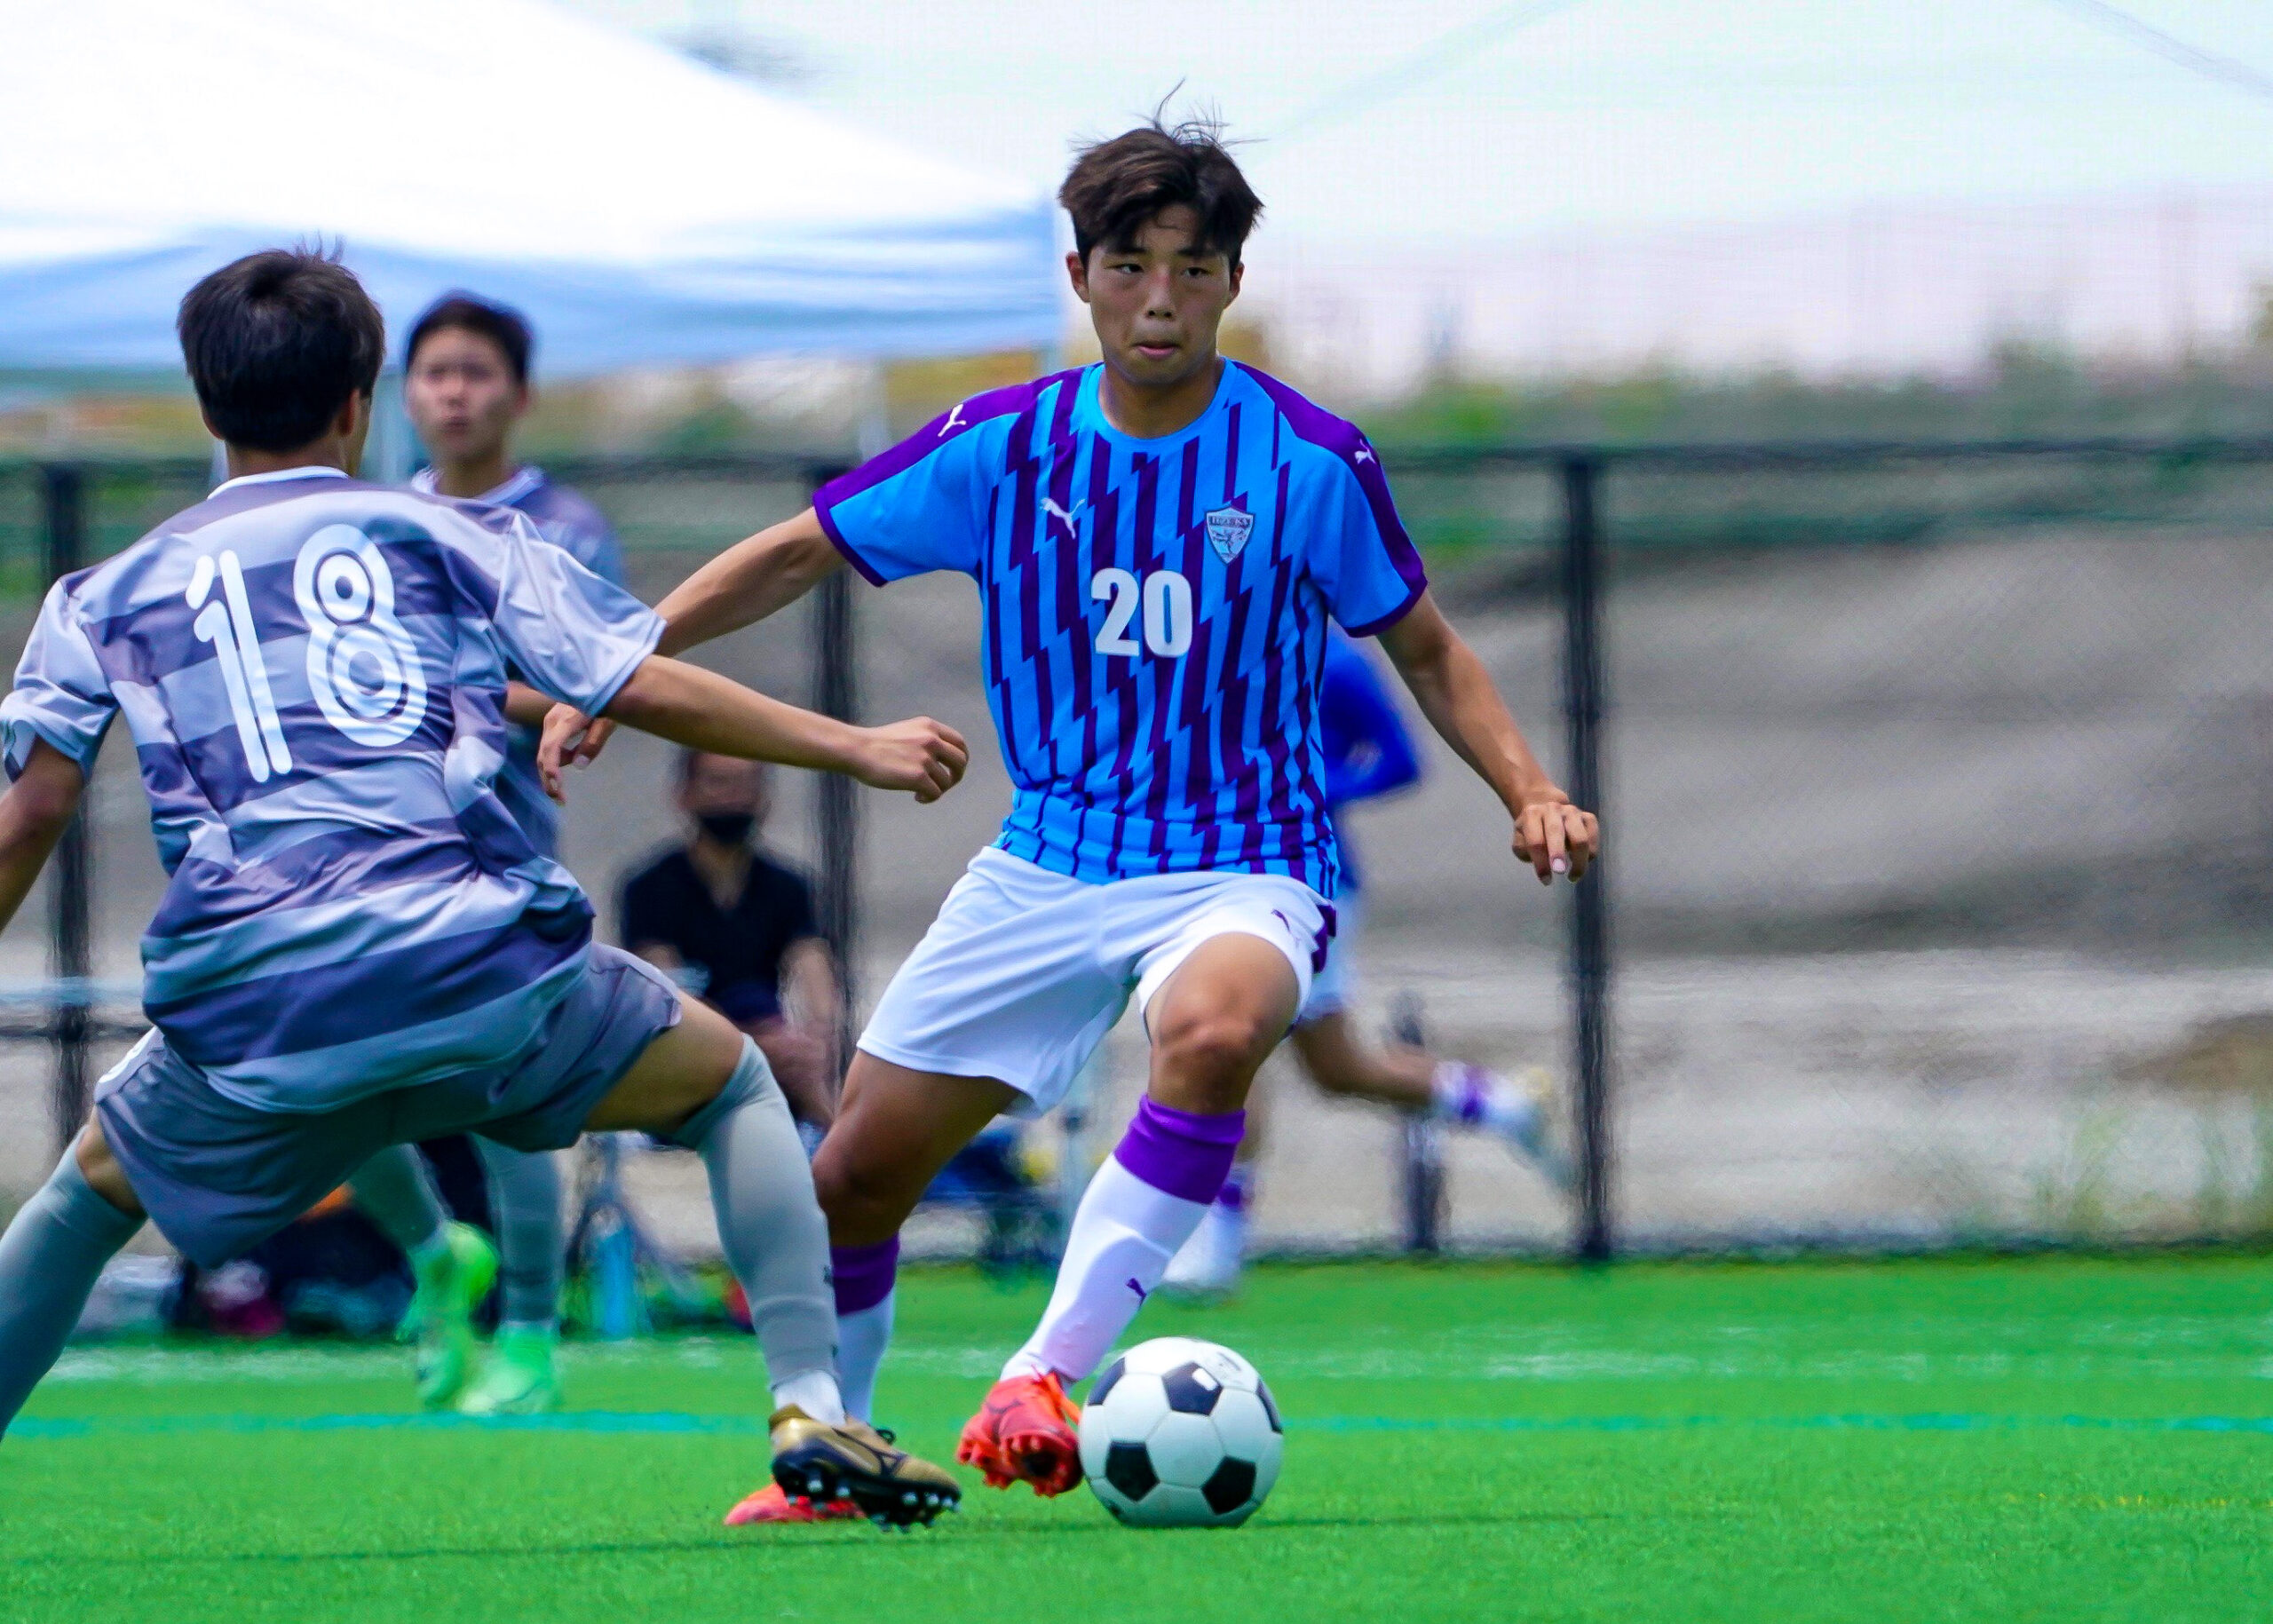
x,y
276,342
468,313
1116,188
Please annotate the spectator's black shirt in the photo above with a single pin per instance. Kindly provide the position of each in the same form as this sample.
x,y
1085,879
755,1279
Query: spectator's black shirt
x,y
739,950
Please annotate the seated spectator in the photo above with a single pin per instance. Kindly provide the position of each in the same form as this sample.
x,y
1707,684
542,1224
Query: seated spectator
x,y
736,929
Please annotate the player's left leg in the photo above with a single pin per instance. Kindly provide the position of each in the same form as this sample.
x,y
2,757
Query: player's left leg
x,y
1454,1092
705,1085
1213,1020
451,1263
519,1377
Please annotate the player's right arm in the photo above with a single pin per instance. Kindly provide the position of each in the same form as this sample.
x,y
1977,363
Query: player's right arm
x,y
752,578
920,506
591,644
749,580
34,813
707,712
52,727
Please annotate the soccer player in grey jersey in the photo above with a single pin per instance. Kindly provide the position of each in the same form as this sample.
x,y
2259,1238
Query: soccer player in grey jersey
x,y
466,387
358,947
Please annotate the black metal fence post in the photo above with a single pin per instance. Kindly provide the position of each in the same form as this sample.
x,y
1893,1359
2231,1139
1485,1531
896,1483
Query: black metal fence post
x,y
1589,917
1424,1145
838,808
63,493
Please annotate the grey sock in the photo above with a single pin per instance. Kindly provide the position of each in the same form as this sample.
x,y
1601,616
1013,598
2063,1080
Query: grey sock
x,y
48,1261
394,1192
775,1239
525,1204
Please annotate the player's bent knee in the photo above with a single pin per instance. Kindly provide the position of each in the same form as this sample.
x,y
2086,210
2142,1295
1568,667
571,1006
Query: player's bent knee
x,y
100,1167
1215,1045
865,1200
675,1078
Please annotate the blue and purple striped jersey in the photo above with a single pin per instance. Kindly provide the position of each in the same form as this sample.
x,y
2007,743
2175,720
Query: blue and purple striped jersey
x,y
563,516
1156,610
313,669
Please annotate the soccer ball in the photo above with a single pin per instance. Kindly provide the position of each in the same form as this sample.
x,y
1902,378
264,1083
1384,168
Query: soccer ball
x,y
1181,1434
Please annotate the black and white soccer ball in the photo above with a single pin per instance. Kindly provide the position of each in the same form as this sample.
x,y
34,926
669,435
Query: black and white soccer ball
x,y
1181,1434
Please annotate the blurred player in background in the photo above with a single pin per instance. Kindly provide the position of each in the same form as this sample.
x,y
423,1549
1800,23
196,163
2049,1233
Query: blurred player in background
x,y
733,926
466,388
1368,754
1160,540
357,946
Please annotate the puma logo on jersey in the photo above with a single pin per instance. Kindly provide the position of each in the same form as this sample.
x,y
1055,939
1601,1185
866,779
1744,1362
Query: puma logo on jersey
x,y
955,420
1063,516
1364,454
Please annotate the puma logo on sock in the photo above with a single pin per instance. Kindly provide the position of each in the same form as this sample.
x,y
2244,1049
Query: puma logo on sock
x,y
1141,1293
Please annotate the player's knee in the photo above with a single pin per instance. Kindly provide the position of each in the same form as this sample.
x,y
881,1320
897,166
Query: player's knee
x,y
1215,1044
100,1167
863,1201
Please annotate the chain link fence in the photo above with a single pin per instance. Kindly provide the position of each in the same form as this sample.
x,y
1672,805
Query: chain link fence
x,y
1937,784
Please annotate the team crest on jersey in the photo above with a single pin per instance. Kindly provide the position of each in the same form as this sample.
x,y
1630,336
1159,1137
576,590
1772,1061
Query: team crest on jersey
x,y
1228,530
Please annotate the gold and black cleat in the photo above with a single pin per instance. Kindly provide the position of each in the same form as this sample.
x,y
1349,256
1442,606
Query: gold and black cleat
x,y
854,1462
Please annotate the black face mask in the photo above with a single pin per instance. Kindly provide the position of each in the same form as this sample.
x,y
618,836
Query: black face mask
x,y
728,828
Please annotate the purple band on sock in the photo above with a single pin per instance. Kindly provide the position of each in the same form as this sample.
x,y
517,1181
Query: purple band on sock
x,y
1181,1153
864,1275
1234,1196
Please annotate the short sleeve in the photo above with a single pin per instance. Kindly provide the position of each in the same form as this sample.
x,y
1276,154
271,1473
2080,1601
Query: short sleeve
x,y
1361,558
588,536
919,507
61,694
567,632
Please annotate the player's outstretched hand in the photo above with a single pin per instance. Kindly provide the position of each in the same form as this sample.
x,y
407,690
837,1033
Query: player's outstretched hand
x,y
569,735
1556,837
922,756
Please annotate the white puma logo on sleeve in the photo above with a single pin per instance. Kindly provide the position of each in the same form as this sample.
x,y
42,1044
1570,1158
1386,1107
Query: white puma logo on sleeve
x,y
955,420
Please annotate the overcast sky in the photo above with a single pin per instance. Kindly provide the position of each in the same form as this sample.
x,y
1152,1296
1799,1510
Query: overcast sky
x,y
1437,119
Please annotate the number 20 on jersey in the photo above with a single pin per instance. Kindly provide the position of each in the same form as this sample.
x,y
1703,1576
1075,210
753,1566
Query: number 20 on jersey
x,y
1165,598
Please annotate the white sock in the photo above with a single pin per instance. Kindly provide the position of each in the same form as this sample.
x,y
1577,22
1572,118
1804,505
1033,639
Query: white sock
x,y
1471,1097
813,1391
1123,1235
862,1338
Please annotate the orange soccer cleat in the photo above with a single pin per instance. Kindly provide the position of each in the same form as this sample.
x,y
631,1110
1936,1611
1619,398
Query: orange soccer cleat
x,y
771,1505
1027,1431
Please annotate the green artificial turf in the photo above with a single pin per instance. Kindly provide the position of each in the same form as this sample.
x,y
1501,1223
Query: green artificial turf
x,y
2058,1439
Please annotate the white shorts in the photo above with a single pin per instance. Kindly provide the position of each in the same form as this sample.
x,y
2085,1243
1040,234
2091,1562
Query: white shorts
x,y
1025,972
1335,985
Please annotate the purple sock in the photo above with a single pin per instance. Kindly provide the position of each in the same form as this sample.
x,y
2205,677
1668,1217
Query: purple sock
x,y
1181,1153
864,1275
1235,1194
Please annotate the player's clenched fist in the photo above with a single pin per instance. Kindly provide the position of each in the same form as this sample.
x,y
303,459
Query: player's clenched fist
x,y
1556,837
920,755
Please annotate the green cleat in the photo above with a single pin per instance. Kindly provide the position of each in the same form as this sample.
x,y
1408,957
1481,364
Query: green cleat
x,y
519,1378
452,1282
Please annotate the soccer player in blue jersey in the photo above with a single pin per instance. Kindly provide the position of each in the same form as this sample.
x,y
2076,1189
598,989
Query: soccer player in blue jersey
x,y
1160,542
466,388
358,947
1368,754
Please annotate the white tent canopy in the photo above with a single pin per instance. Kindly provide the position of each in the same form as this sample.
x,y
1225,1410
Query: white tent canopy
x,y
639,207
